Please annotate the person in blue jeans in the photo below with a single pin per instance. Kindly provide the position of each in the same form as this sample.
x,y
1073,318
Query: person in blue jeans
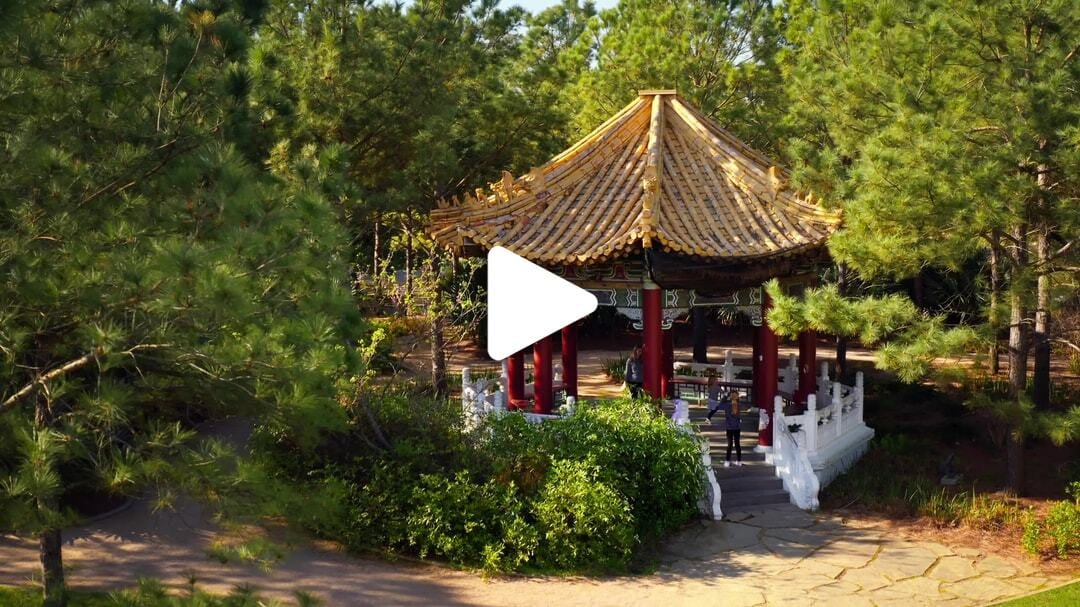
x,y
730,406
635,372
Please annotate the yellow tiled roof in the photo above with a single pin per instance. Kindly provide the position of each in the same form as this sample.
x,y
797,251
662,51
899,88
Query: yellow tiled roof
x,y
658,174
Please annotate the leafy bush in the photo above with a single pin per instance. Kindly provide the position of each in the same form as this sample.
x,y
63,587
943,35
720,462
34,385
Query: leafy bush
x,y
577,494
461,520
584,522
1059,532
639,453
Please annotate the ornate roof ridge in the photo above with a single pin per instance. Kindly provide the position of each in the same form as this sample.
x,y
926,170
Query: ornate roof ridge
x,y
657,174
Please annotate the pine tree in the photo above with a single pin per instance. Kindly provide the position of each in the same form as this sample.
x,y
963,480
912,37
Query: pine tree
x,y
944,131
719,55
152,273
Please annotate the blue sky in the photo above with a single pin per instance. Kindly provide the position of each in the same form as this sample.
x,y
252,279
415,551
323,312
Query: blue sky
x,y
535,6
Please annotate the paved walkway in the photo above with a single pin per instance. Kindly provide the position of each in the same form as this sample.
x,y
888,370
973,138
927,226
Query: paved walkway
x,y
766,557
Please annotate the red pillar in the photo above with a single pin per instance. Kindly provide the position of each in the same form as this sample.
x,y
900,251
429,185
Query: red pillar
x,y
755,387
807,364
667,368
542,392
769,373
651,317
569,359
515,376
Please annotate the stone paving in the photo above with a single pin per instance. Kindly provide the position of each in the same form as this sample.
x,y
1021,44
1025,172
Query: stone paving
x,y
784,555
776,556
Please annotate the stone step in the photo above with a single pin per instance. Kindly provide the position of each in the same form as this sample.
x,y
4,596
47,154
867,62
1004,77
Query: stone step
x,y
748,469
719,454
742,499
750,483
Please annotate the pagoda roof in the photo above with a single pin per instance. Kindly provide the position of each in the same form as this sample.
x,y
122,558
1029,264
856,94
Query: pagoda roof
x,y
657,175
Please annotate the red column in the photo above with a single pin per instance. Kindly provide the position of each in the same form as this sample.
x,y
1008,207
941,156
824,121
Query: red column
x,y
542,393
807,364
569,359
667,368
651,317
769,373
515,372
755,387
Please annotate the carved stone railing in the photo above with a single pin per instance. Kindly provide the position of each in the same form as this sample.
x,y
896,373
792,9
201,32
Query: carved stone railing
x,y
822,427
826,440
728,373
792,462
709,502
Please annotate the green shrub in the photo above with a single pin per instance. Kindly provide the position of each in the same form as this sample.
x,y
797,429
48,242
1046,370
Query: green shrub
x,y
1059,532
580,493
461,520
584,523
655,466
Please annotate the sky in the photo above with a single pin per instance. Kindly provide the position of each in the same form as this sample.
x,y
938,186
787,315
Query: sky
x,y
535,6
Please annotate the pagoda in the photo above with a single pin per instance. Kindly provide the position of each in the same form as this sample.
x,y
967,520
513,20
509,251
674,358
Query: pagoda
x,y
658,211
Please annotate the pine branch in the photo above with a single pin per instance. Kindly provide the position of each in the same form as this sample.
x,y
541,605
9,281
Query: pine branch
x,y
72,365
48,376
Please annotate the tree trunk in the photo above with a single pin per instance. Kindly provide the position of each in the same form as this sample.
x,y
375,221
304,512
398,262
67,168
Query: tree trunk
x,y
408,268
841,340
917,290
995,304
49,539
375,247
52,568
438,357
1041,381
701,336
1018,359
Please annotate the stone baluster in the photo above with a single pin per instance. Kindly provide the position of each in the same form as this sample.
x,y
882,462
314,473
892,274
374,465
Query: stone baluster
x,y
810,425
778,421
729,367
504,376
466,386
468,399
838,411
571,405
859,398
837,395
824,385
499,405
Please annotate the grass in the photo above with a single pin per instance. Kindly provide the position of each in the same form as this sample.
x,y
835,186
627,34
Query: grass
x,y
1062,596
616,367
259,551
149,593
31,597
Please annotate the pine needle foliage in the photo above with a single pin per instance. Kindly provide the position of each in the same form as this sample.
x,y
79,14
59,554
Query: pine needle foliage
x,y
153,275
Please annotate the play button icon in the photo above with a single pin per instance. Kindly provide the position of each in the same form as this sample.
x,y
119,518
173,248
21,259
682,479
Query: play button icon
x,y
527,303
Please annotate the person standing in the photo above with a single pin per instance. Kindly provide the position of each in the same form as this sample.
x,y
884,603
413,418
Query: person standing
x,y
634,374
733,425
714,397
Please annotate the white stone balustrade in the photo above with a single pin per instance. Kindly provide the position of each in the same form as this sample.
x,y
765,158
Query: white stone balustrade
x,y
825,440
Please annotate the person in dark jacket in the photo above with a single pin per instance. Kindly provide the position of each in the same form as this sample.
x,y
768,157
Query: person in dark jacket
x,y
635,372
730,406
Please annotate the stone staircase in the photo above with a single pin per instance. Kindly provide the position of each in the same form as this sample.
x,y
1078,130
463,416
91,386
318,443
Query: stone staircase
x,y
741,487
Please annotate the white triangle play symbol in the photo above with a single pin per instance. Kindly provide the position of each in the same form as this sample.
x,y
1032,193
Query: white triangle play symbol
x,y
526,303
